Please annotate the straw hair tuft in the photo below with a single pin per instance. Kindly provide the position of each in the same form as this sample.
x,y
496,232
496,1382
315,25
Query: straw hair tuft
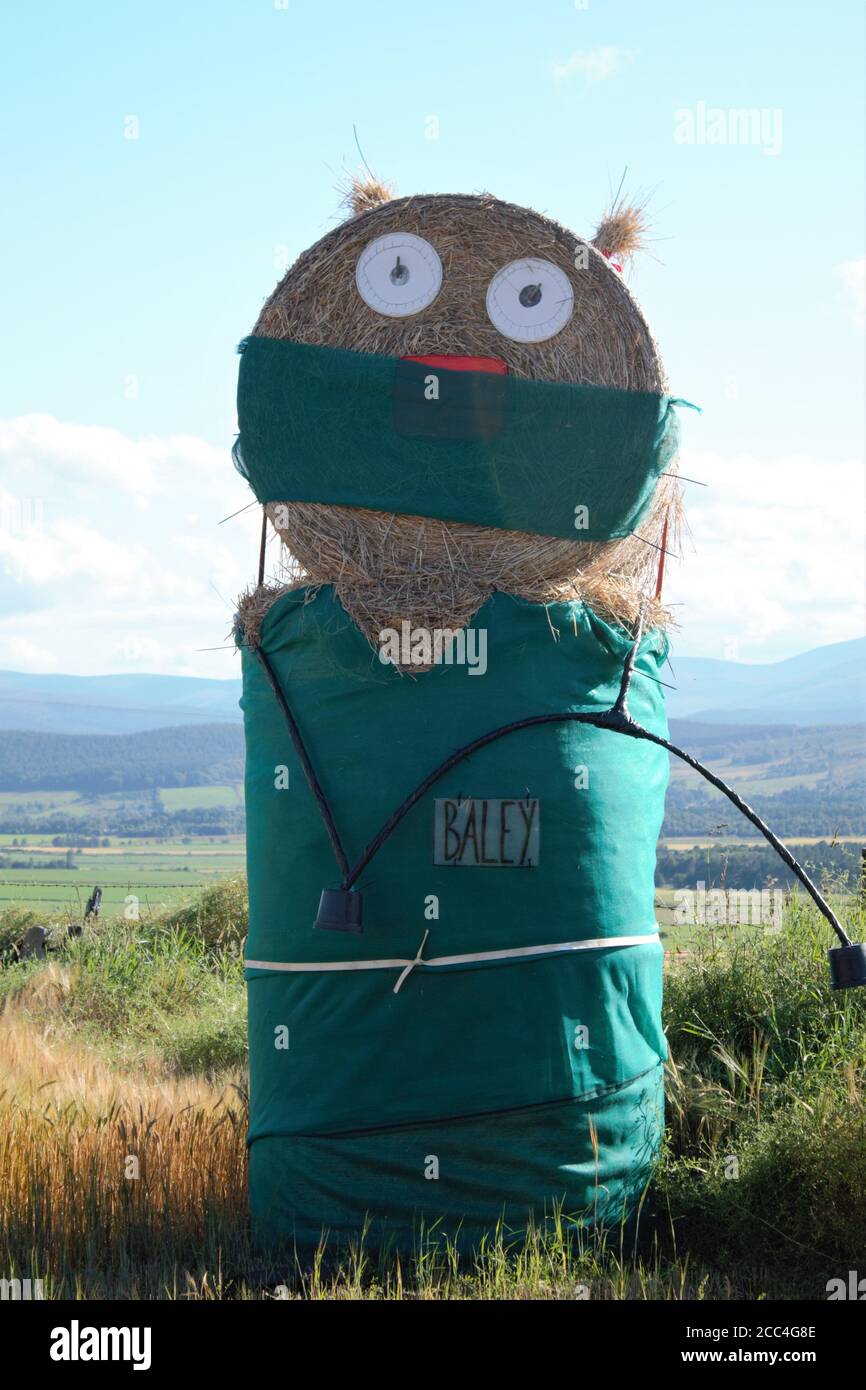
x,y
622,230
363,192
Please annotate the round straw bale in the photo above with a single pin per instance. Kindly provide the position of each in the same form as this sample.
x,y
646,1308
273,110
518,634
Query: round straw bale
x,y
387,567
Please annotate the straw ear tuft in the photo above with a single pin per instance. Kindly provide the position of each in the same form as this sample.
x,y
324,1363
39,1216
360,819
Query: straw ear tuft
x,y
622,230
361,193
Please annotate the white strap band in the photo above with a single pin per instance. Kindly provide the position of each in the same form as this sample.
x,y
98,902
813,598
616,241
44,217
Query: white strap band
x,y
597,943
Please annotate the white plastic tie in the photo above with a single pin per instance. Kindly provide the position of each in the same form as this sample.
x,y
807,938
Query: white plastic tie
x,y
597,943
411,966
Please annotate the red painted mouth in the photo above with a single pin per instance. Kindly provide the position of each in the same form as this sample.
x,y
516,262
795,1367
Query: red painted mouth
x,y
455,362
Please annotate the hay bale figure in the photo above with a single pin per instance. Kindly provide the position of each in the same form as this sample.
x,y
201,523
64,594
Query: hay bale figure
x,y
456,417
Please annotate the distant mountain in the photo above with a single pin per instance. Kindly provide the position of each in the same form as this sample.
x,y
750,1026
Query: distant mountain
x,y
824,686
113,704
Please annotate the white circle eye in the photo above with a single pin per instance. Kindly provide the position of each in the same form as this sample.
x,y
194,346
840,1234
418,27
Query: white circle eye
x,y
398,274
529,300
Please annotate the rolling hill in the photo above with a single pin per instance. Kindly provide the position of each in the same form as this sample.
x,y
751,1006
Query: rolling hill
x,y
113,704
824,686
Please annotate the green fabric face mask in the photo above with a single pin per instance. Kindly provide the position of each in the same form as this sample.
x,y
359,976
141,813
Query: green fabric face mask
x,y
321,424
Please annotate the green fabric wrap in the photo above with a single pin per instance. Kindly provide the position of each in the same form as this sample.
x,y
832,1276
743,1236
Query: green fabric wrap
x,y
476,1064
322,424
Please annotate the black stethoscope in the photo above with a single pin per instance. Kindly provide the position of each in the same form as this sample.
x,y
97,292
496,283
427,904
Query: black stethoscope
x,y
341,909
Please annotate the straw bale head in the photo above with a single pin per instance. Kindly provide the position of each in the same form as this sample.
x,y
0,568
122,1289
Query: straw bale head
x,y
573,320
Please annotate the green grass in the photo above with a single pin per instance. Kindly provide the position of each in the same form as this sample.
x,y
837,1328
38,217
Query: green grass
x,y
44,804
769,1070
759,779
168,988
192,798
9,801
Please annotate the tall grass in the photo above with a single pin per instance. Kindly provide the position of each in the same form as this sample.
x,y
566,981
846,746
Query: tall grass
x,y
108,1181
162,989
766,1104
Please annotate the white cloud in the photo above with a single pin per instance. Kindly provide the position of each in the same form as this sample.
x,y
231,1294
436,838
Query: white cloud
x,y
38,447
853,277
20,654
593,63
143,654
111,554
775,559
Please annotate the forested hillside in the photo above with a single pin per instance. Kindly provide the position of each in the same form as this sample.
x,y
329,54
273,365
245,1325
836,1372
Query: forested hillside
x,y
802,781
193,756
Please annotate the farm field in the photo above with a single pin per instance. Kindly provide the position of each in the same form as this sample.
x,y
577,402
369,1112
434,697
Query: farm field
x,y
45,803
191,798
750,779
36,801
160,874
715,842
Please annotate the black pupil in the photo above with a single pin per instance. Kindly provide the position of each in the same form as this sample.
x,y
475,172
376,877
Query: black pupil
x,y
530,295
400,273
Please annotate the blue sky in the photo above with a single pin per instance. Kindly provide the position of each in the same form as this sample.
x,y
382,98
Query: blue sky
x,y
134,265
